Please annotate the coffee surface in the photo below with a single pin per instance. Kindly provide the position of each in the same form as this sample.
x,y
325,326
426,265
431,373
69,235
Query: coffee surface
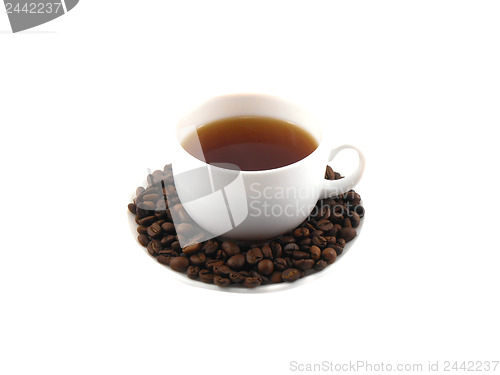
x,y
252,143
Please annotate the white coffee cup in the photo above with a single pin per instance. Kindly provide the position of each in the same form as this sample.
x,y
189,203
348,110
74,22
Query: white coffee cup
x,y
254,205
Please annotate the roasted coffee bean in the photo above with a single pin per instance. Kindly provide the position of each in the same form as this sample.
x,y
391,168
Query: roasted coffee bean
x,y
304,264
192,272
184,228
221,281
317,233
355,219
236,277
360,210
352,197
132,208
168,252
176,246
329,255
192,249
320,265
221,255
230,248
211,263
286,240
254,255
161,214
198,259
276,249
222,270
276,277
210,247
305,242
147,205
263,279
315,252
346,223
251,282
329,174
280,264
152,197
148,220
265,267
305,248
236,261
347,234
142,229
138,220
290,274
153,247
338,249
319,241
164,259
179,264
154,230
180,213
301,232
267,252
290,248
300,255
143,240
325,225
337,218
289,262
340,242
206,276
330,240
168,227
168,240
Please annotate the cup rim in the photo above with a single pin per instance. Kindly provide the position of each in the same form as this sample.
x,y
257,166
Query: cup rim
x,y
272,97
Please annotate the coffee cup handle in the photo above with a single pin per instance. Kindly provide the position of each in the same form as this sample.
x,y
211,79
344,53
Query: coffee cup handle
x,y
332,188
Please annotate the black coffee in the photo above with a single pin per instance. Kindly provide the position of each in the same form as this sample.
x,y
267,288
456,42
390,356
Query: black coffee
x,y
252,143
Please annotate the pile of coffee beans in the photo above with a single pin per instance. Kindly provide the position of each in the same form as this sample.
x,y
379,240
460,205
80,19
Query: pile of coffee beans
x,y
309,248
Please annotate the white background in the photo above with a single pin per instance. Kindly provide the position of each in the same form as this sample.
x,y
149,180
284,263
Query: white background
x,y
87,103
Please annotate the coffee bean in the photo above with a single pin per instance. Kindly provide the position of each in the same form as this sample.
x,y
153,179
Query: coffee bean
x,y
192,272
221,281
198,259
184,228
329,255
236,277
346,223
290,248
265,267
267,252
276,249
360,210
166,241
317,233
329,174
320,265
286,240
330,240
289,262
153,247
290,274
142,229
338,249
280,264
154,230
276,277
164,259
206,276
147,221
192,249
230,248
139,191
222,270
180,213
315,252
251,282
325,225
168,227
211,263
337,218
132,208
300,255
352,197
340,242
236,261
210,247
304,264
179,264
347,234
153,197
221,255
319,241
355,219
301,232
143,240
254,255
